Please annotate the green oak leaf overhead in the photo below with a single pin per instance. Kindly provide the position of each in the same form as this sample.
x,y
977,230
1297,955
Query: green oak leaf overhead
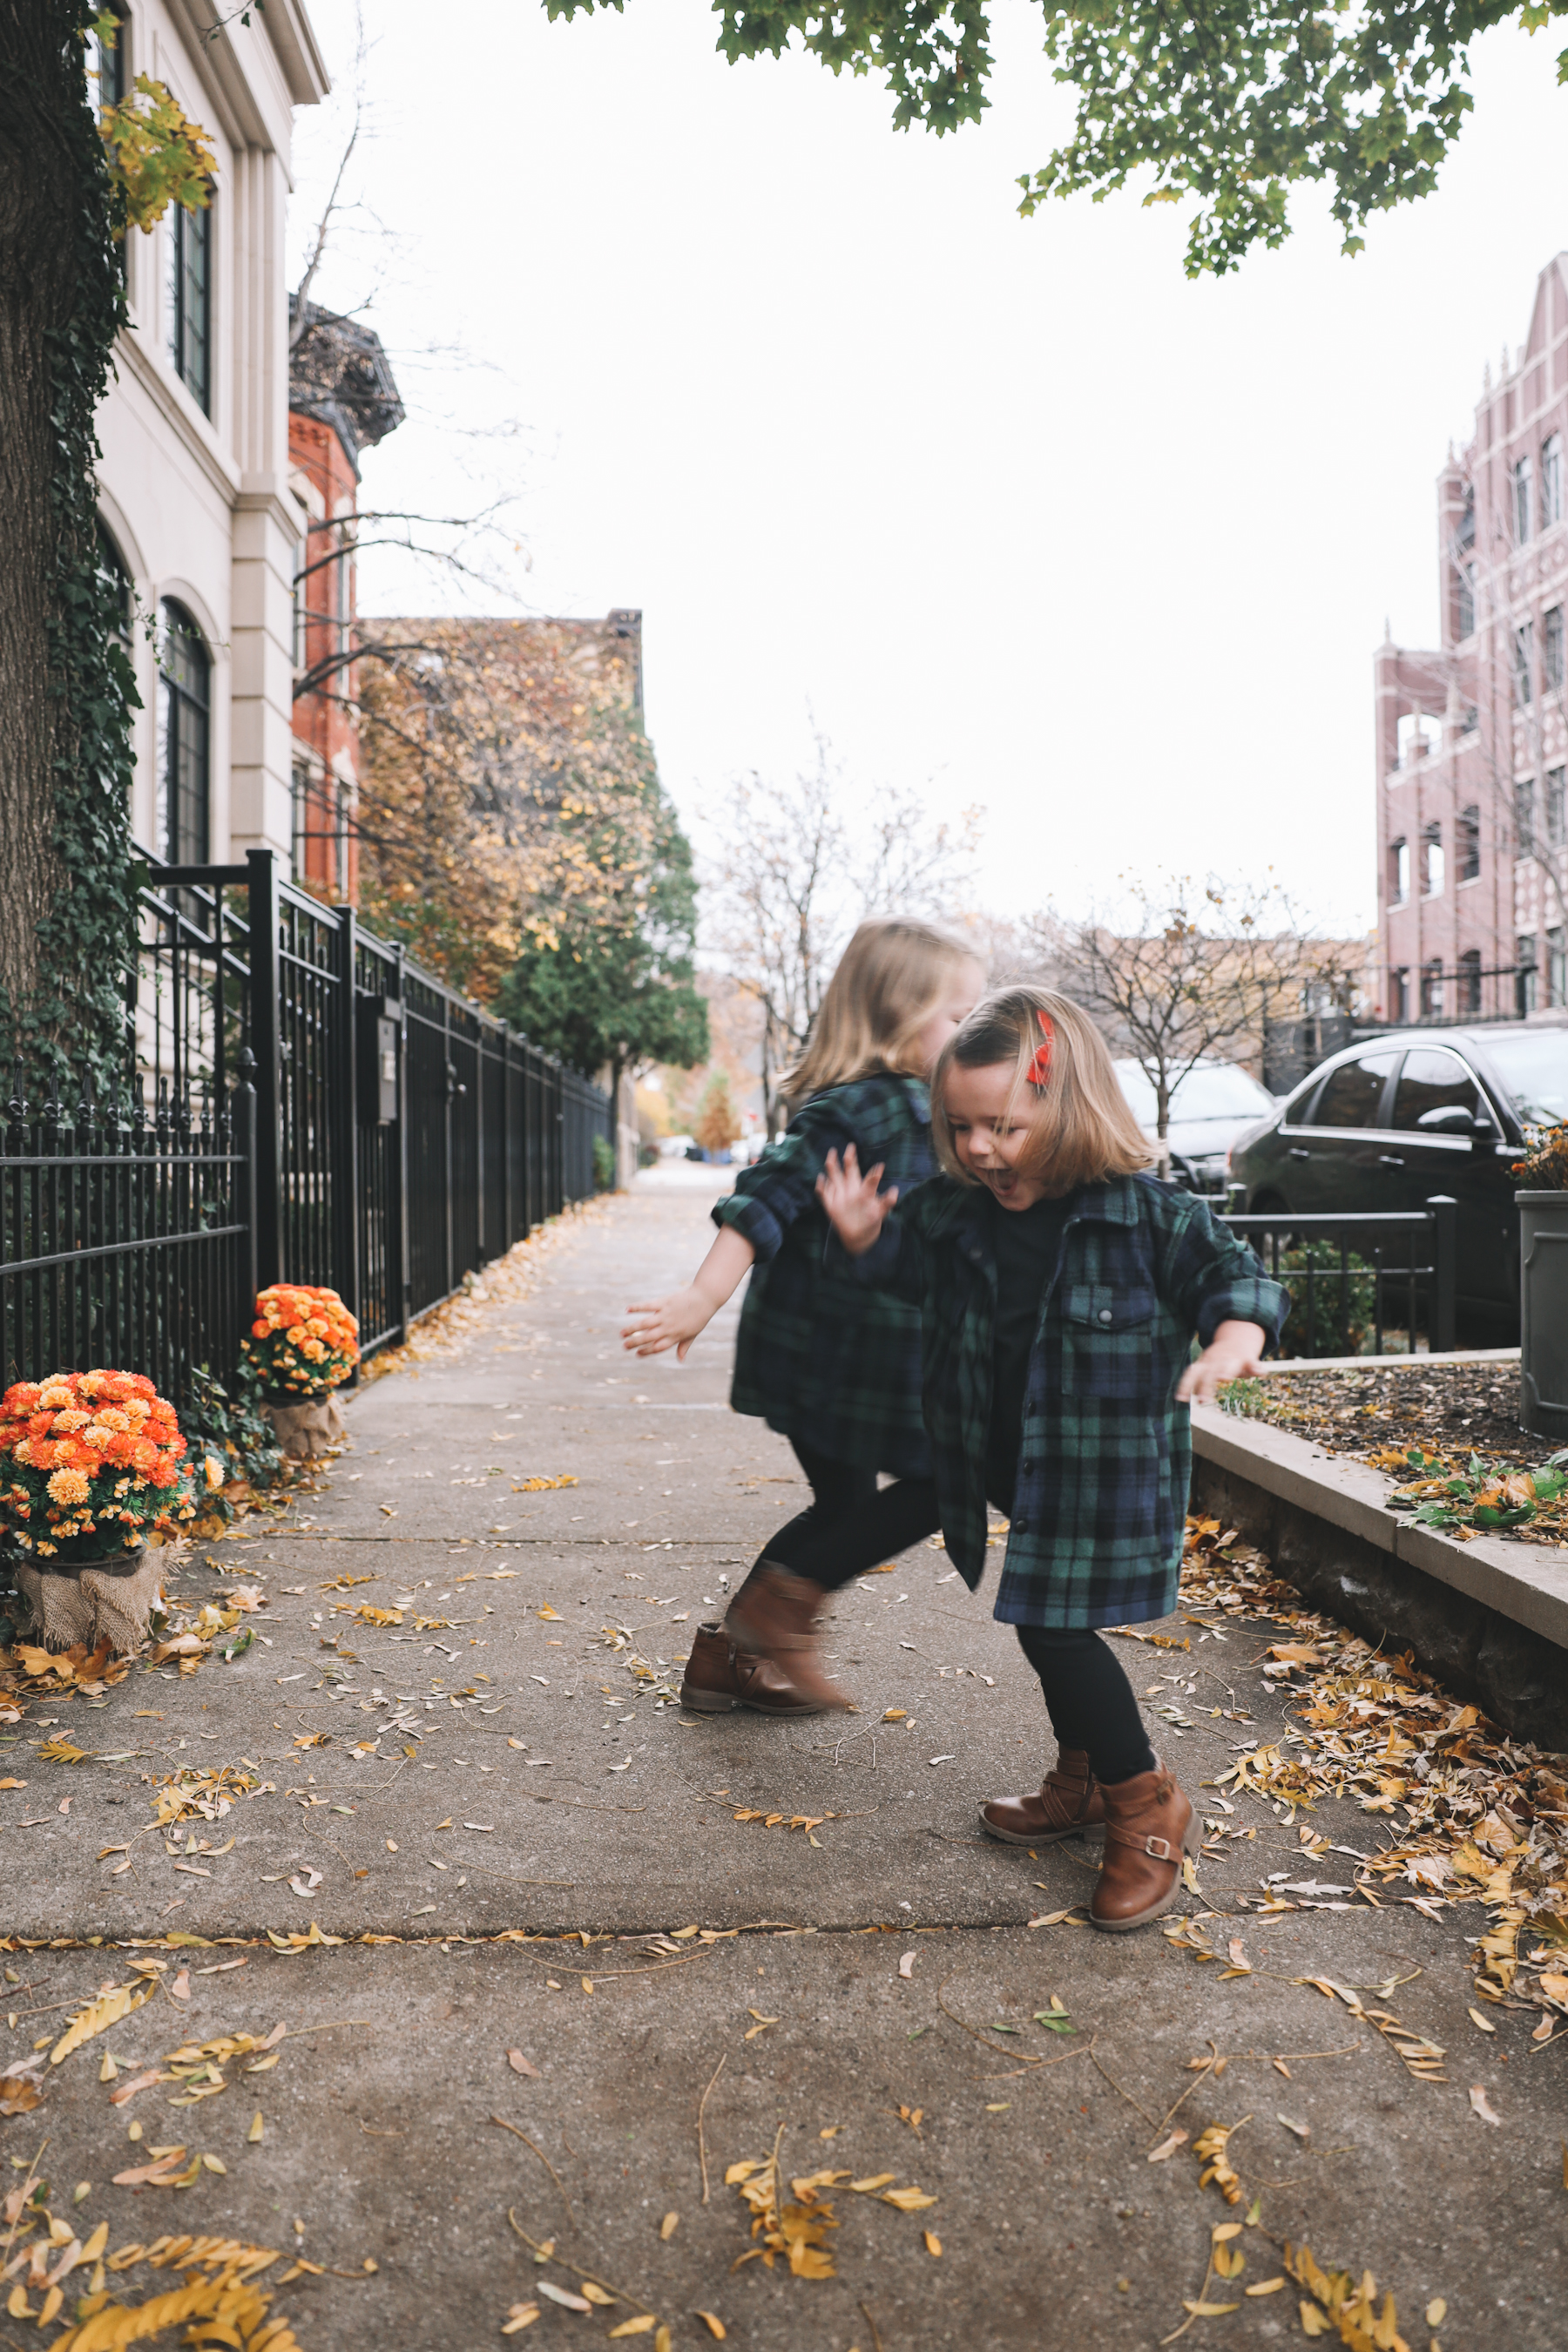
x,y
1227,106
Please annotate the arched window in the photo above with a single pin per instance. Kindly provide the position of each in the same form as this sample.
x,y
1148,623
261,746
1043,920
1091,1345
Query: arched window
x,y
185,722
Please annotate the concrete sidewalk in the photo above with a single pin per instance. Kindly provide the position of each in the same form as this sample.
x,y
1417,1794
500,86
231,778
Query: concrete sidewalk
x,y
507,1753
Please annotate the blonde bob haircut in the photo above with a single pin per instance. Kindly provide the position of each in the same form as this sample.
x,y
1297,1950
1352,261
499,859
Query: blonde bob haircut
x,y
1083,1129
890,979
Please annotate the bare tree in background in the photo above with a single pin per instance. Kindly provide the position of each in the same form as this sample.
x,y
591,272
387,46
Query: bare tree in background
x,y
795,872
1186,971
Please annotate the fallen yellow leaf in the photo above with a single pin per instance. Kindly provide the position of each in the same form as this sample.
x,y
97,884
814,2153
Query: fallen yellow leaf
x,y
715,2327
872,2182
99,2015
644,2325
934,2243
1212,2310
668,2226
907,2200
595,2293
1437,2312
520,2316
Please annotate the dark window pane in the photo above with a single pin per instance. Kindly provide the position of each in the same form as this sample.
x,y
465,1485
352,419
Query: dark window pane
x,y
1352,1095
182,741
190,301
1436,1094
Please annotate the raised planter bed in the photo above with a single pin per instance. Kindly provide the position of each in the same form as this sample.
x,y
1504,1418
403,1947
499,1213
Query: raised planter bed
x,y
1489,1615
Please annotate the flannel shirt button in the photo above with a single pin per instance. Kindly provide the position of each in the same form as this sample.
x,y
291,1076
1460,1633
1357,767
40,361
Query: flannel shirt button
x,y
1021,1526
1025,1467
1105,1315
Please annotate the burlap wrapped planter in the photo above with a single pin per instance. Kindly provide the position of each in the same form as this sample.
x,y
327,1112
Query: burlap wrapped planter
x,y
306,1430
110,1599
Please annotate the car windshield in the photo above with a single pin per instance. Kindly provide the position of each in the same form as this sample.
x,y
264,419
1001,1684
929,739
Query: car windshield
x,y
1533,1066
1211,1090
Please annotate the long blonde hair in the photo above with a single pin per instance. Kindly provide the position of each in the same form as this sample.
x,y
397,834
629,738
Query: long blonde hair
x,y
1083,1129
889,980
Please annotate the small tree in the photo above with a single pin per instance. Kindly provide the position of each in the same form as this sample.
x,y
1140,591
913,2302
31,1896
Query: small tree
x,y
1188,970
718,1122
792,877
613,981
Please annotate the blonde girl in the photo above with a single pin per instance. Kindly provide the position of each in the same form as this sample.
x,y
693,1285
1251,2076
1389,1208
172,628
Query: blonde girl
x,y
832,1366
1060,1288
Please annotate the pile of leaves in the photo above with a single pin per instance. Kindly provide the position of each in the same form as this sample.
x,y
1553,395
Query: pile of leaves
x,y
798,2230
1443,1407
29,1671
192,1795
218,2299
1485,1818
1480,1497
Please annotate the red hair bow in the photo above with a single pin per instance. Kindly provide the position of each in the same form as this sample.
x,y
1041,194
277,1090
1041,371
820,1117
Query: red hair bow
x,y
1039,1069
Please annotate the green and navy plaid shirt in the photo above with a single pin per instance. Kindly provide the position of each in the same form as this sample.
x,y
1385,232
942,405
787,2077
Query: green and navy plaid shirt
x,y
1103,1469
818,1357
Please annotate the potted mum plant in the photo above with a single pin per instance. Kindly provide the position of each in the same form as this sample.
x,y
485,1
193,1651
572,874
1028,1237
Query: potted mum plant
x,y
1542,1197
91,1464
303,1344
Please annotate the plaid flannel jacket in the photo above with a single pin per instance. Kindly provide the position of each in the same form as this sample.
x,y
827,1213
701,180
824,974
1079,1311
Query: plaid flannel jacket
x,y
1103,1471
819,1358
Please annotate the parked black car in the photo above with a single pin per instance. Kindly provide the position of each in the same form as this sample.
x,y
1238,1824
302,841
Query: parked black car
x,y
1408,1113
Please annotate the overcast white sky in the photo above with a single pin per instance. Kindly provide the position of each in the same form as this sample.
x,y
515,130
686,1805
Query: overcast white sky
x,y
1018,514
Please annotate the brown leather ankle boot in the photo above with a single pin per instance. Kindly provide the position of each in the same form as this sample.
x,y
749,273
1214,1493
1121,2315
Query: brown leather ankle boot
x,y
774,1616
719,1677
1070,1801
1149,1825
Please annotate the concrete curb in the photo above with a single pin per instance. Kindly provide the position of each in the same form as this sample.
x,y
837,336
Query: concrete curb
x,y
1490,1617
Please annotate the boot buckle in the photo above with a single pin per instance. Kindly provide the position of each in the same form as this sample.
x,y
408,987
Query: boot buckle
x,y
1159,1847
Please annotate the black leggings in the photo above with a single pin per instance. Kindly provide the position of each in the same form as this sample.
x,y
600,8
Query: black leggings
x,y
1089,1700
852,1524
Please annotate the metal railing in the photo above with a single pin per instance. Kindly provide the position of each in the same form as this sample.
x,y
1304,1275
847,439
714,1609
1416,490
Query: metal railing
x,y
300,1092
125,1240
1354,1278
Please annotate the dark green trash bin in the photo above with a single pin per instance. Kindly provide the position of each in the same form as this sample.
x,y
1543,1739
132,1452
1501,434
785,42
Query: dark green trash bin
x,y
1543,1313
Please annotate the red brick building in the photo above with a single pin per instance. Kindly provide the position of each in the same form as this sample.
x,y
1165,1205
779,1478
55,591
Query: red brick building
x,y
1472,735
342,399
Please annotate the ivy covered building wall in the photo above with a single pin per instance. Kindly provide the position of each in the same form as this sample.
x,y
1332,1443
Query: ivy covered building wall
x,y
197,514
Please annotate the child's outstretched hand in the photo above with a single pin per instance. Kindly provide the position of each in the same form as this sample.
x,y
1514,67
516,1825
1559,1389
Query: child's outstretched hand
x,y
853,1202
671,1322
1233,1354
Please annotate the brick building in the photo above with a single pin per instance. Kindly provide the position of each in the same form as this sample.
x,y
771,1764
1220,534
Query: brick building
x,y
1472,735
342,399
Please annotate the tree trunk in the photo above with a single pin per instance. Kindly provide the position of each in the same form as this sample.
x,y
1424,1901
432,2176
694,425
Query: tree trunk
x,y
41,86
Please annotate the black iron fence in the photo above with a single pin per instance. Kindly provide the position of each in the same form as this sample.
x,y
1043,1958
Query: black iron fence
x,y
300,1102
1359,1281
1427,996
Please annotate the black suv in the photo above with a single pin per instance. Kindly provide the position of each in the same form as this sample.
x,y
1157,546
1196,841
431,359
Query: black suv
x,y
1409,1113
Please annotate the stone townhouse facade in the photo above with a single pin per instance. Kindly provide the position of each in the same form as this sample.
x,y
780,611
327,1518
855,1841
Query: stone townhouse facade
x,y
197,517
1472,735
